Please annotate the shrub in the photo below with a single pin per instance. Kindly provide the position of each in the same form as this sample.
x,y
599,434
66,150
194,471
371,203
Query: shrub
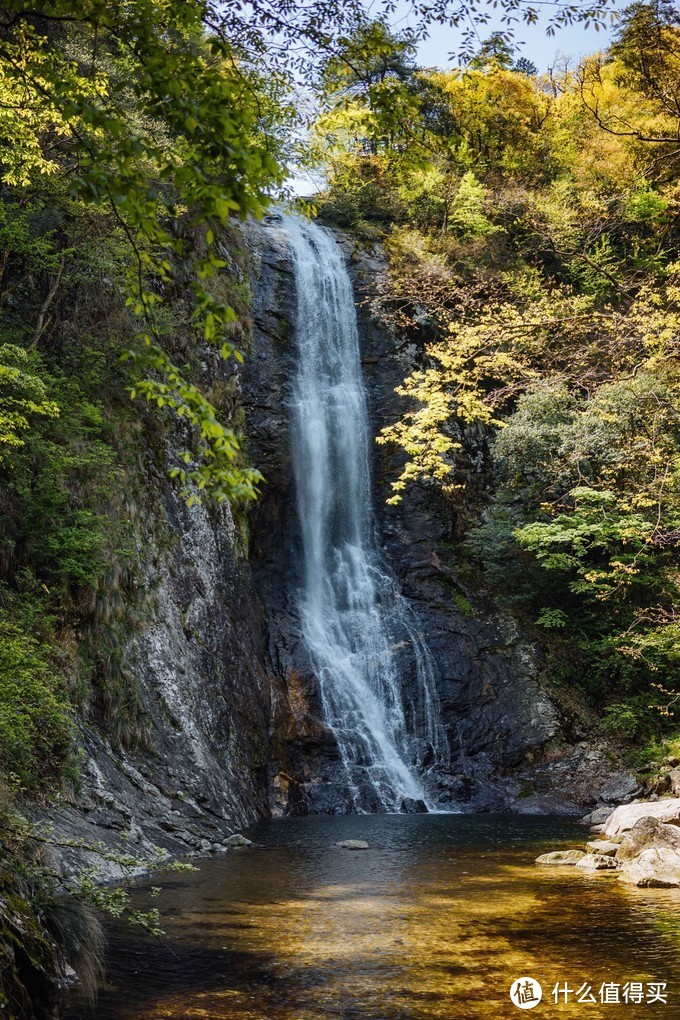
x,y
35,728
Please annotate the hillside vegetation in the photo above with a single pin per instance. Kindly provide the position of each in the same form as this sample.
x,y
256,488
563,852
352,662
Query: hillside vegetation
x,y
530,224
130,137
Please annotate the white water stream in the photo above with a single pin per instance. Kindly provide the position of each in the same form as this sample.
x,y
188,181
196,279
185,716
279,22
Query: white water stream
x,y
358,628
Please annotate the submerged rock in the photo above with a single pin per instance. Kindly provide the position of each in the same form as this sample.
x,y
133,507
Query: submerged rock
x,y
653,868
561,857
238,840
353,844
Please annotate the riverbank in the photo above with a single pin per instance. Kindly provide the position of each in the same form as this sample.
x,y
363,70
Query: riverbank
x,y
639,841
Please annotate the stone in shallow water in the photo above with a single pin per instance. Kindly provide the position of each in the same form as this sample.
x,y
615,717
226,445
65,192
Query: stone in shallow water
x,y
561,857
604,847
410,806
653,867
237,840
353,844
597,862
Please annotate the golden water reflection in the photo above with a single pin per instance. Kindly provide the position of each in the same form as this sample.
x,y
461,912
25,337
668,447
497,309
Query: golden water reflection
x,y
434,920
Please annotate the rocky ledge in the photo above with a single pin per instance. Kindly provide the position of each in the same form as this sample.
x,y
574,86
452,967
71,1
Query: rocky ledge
x,y
639,841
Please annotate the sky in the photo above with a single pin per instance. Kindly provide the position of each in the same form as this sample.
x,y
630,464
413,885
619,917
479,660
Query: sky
x,y
573,41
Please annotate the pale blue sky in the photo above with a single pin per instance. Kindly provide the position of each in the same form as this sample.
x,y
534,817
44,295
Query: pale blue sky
x,y
573,41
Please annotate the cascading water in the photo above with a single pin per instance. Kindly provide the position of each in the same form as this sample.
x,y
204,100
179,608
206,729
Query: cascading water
x,y
357,627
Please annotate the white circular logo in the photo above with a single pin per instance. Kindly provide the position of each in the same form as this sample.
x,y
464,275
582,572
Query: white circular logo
x,y
525,992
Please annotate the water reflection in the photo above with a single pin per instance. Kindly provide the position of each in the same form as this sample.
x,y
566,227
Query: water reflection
x,y
435,920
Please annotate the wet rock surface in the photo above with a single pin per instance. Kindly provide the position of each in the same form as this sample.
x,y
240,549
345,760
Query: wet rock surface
x,y
196,659
642,845
494,711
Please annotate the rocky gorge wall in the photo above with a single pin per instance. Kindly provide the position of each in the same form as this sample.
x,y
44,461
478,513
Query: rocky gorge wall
x,y
495,713
233,707
197,662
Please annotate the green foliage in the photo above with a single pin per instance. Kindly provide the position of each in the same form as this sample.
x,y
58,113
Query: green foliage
x,y
63,540
463,604
552,619
625,719
23,397
644,205
530,228
467,214
35,727
161,122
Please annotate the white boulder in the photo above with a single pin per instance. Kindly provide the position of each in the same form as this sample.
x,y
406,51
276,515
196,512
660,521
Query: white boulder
x,y
624,817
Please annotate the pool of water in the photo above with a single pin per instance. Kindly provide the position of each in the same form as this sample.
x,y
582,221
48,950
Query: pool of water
x,y
435,920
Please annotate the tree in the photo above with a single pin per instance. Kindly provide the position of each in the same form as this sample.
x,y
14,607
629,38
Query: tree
x,y
524,66
644,59
145,115
496,50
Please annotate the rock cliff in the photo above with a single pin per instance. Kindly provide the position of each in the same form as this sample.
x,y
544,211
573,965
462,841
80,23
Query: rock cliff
x,y
196,659
494,710
233,706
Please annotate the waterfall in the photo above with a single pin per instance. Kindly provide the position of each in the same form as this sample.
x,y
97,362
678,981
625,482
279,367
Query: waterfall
x,y
375,674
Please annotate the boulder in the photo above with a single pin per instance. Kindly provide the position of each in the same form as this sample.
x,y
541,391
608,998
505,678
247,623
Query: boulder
x,y
646,833
597,817
353,844
413,807
625,817
674,782
597,862
561,857
621,788
604,847
237,840
545,804
653,867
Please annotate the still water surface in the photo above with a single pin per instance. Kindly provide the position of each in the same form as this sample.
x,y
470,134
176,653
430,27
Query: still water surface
x,y
435,920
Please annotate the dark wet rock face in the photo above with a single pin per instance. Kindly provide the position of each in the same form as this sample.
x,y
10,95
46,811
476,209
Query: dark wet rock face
x,y
235,718
197,660
493,708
